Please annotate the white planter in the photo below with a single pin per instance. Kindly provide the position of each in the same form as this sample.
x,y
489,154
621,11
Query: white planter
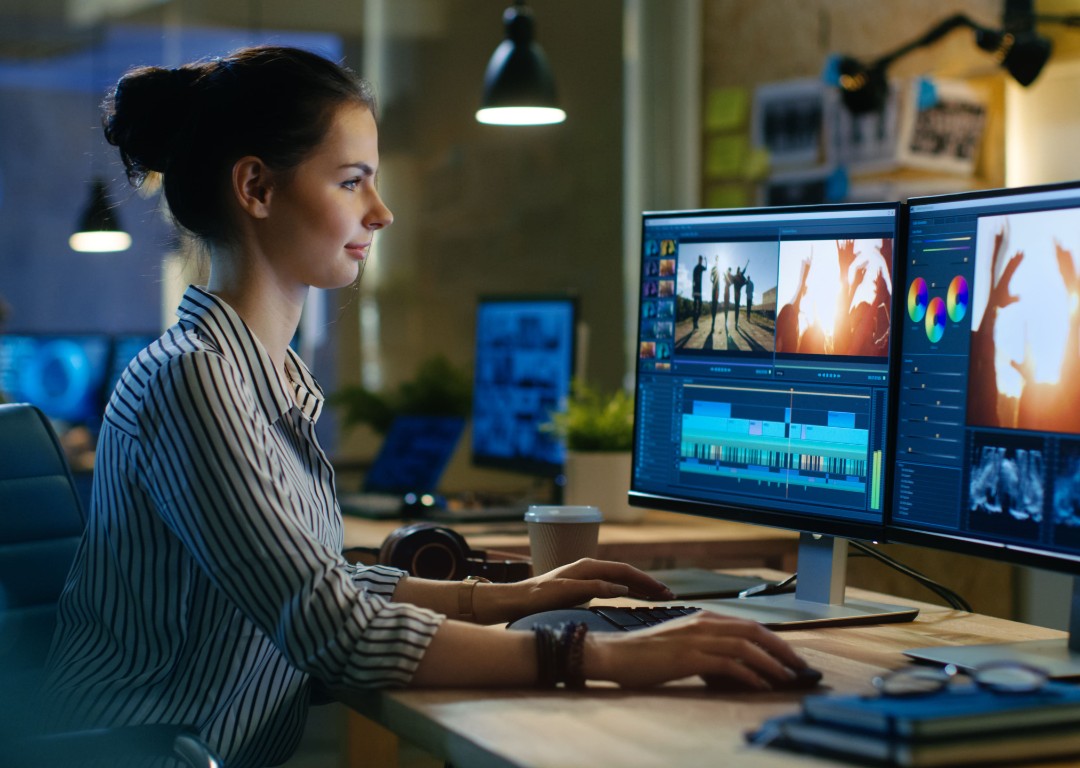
x,y
601,479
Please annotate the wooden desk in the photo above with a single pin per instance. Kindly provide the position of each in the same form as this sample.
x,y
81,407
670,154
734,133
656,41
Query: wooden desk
x,y
681,724
660,540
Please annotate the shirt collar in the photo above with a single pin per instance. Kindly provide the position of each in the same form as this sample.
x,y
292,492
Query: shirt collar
x,y
221,324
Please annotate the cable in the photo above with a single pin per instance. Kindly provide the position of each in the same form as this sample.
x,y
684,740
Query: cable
x,y
770,589
949,596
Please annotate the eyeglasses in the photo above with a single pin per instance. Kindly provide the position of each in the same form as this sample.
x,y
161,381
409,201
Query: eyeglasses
x,y
999,677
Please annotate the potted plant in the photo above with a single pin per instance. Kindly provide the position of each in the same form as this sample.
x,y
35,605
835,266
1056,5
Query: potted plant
x,y
598,430
439,389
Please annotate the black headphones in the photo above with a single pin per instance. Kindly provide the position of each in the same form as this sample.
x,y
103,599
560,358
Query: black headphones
x,y
434,552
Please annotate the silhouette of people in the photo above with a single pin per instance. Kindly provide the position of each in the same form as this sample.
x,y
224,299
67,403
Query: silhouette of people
x,y
714,273
862,330
845,256
982,373
738,280
787,321
869,320
699,272
1046,405
749,296
728,277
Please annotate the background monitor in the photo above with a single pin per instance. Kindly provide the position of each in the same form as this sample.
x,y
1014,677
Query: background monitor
x,y
125,347
522,373
763,380
65,375
988,411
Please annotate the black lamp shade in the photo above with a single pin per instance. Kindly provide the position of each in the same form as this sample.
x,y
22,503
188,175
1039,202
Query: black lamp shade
x,y
99,230
1023,54
519,87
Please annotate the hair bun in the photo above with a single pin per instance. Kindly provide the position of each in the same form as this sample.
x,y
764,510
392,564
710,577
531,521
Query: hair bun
x,y
146,114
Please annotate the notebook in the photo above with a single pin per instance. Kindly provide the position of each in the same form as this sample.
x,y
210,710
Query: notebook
x,y
409,465
962,725
1027,744
963,710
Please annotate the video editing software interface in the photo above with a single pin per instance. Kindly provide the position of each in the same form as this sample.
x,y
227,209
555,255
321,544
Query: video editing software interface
x,y
763,362
522,373
988,417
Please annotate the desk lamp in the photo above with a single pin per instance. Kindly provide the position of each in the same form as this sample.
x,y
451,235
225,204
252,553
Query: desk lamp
x,y
1016,47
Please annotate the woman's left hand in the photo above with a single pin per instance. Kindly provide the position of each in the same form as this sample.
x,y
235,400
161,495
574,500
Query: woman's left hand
x,y
566,586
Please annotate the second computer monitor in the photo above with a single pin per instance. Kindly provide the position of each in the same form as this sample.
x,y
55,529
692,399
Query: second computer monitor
x,y
988,416
522,376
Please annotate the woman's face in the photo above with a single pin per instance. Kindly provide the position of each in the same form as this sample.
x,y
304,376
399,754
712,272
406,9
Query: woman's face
x,y
324,214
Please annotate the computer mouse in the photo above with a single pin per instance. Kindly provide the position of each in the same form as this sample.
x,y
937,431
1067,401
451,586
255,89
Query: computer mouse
x,y
557,617
804,680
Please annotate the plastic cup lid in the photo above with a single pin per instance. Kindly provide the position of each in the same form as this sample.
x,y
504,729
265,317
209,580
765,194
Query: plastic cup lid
x,y
563,514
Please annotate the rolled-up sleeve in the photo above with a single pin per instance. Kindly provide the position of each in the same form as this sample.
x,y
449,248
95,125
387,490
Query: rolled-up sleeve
x,y
222,487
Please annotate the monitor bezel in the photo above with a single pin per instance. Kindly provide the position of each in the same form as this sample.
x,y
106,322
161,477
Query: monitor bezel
x,y
968,544
760,515
534,468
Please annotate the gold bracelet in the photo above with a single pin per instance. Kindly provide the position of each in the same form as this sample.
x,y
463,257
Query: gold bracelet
x,y
465,597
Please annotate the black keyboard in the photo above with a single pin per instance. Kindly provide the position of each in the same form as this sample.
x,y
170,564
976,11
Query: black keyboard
x,y
606,618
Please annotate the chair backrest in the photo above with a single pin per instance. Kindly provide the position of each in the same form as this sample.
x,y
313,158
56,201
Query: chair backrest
x,y
41,521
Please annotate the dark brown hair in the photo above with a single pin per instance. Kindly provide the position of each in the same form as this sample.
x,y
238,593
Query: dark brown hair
x,y
192,123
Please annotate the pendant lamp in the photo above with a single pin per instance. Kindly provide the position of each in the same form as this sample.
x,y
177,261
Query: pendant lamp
x,y
98,230
519,88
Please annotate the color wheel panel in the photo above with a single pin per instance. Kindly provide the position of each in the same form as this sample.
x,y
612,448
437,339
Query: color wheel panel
x,y
917,297
957,299
935,320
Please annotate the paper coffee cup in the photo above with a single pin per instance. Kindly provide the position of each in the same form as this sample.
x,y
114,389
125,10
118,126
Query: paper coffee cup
x,y
559,535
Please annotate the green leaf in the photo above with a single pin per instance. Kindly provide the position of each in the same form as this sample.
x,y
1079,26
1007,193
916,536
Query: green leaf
x,y
595,421
438,389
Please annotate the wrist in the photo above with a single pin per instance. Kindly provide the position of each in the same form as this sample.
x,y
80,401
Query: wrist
x,y
467,598
492,602
597,662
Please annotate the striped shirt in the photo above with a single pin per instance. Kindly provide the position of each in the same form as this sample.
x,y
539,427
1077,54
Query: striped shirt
x,y
209,588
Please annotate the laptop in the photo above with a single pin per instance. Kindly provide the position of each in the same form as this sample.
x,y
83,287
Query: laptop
x,y
407,469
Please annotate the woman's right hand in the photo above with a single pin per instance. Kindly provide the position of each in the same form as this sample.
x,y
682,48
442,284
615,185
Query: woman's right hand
x,y
720,648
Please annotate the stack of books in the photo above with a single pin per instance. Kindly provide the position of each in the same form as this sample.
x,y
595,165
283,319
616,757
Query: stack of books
x,y
961,725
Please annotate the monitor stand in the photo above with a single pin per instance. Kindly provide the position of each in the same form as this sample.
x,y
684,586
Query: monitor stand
x,y
1060,658
819,598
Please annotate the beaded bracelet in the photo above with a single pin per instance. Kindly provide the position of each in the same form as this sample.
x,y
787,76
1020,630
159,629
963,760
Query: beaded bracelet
x,y
560,655
545,657
573,662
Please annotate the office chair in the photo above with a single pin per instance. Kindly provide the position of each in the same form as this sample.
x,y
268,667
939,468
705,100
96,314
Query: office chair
x,y
41,522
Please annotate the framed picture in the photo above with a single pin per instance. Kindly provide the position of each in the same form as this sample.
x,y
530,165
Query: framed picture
x,y
788,120
863,144
942,126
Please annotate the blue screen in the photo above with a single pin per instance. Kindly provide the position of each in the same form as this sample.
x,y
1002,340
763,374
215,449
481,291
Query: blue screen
x,y
988,417
522,372
65,376
763,364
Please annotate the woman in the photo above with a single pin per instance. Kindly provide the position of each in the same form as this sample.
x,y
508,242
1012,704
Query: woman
x,y
209,588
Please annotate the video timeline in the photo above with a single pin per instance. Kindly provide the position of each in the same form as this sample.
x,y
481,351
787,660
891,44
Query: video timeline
x,y
807,445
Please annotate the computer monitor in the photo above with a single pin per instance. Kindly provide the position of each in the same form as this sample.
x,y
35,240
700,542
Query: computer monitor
x,y
763,384
988,415
522,375
125,348
65,375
